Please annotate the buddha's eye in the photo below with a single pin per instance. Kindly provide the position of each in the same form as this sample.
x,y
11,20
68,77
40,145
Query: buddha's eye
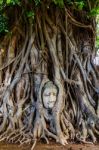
x,y
54,94
47,94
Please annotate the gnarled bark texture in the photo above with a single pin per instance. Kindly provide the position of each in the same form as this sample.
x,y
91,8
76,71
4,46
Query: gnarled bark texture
x,y
58,47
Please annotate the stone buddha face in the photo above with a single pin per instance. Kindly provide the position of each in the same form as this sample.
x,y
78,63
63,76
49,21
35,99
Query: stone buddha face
x,y
49,95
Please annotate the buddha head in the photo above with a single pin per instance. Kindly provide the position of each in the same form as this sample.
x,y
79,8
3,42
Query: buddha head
x,y
49,95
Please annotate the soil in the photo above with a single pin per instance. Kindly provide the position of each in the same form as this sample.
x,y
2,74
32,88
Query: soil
x,y
51,146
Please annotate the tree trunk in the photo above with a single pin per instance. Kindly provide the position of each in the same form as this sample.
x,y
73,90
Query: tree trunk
x,y
53,55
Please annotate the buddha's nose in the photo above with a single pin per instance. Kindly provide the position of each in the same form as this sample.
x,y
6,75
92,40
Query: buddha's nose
x,y
51,97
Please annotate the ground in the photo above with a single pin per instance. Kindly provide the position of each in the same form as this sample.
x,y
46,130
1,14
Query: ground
x,y
51,146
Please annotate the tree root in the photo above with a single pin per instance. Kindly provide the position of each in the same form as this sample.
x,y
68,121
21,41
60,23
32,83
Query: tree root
x,y
49,53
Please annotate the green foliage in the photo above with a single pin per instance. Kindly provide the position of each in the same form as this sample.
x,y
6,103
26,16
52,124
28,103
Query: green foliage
x,y
30,14
3,18
37,2
80,5
97,43
7,2
97,32
1,2
4,3
59,3
75,4
94,12
3,24
83,5
13,2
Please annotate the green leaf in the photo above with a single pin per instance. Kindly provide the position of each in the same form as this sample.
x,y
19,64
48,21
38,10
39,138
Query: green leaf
x,y
59,3
3,24
79,4
30,14
94,12
6,30
37,2
13,2
1,2
8,1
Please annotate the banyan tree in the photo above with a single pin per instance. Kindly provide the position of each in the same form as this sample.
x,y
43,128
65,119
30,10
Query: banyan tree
x,y
49,85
